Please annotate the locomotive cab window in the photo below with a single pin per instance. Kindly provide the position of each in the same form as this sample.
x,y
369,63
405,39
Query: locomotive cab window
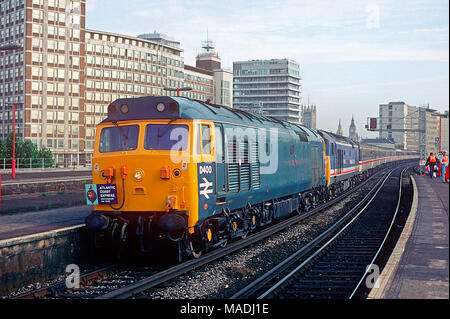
x,y
119,138
203,139
206,139
220,156
166,137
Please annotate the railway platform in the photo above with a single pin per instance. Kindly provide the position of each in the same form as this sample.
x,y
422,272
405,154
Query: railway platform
x,y
24,175
37,246
418,268
30,223
42,190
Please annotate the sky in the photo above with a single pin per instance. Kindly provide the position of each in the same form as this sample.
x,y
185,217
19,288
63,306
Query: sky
x,y
353,54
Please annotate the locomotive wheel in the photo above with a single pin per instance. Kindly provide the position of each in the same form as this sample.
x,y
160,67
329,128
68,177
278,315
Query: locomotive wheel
x,y
307,204
113,231
195,254
224,244
124,233
314,201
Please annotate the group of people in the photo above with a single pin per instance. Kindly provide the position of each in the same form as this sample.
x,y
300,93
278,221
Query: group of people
x,y
438,164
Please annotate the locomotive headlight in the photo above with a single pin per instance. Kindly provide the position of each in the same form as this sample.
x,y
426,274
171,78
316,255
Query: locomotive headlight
x,y
138,175
160,107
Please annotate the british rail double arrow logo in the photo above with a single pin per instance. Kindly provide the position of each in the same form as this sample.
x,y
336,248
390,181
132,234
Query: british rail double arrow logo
x,y
206,185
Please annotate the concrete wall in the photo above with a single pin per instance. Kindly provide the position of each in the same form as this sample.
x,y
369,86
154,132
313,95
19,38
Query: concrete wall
x,y
44,186
41,257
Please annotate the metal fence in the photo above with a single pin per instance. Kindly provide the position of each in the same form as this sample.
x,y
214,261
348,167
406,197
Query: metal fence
x,y
39,163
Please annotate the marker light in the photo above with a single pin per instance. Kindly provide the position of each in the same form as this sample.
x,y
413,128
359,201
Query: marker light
x,y
108,173
112,109
160,107
164,172
124,108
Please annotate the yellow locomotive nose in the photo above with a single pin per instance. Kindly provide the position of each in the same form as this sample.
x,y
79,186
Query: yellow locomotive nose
x,y
143,151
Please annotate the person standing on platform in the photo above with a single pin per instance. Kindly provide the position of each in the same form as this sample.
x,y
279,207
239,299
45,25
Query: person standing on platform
x,y
444,166
438,163
431,161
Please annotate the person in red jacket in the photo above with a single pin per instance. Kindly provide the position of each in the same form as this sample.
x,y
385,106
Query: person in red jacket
x,y
431,162
444,166
446,174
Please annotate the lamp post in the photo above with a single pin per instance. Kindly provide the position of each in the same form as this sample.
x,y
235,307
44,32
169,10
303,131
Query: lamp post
x,y
187,88
11,47
13,175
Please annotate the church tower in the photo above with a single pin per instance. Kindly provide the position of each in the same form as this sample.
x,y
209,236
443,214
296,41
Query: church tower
x,y
339,130
352,130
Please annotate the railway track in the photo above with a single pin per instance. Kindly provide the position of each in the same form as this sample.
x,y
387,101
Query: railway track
x,y
115,282
337,263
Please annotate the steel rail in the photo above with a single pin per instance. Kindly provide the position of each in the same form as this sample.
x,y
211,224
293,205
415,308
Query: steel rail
x,y
281,267
345,241
385,237
55,289
189,265
317,252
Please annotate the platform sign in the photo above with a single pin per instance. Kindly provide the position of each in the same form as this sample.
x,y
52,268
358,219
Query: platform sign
x,y
101,194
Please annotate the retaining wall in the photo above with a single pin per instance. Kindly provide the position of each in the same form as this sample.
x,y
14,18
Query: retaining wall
x,y
41,257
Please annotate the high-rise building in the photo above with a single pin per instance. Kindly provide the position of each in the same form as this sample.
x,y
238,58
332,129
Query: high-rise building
x,y
64,76
13,22
406,125
200,81
223,87
46,77
272,84
120,66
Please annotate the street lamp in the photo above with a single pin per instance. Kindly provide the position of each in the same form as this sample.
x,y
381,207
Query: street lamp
x,y
11,47
187,88
14,139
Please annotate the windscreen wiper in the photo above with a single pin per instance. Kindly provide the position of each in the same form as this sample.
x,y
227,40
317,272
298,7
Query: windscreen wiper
x,y
167,128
